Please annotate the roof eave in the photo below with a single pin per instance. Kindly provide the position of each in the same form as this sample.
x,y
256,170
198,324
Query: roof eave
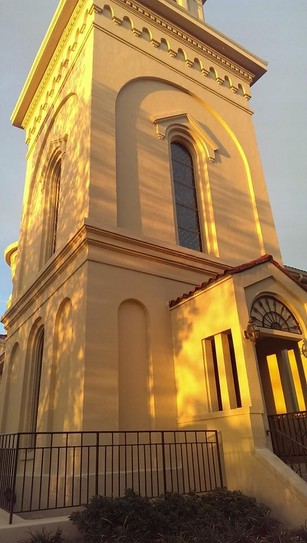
x,y
231,272
211,37
200,30
42,59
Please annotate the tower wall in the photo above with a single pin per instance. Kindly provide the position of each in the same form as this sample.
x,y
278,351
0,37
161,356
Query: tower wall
x,y
92,343
121,85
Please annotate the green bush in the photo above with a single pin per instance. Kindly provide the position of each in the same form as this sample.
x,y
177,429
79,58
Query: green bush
x,y
215,517
44,537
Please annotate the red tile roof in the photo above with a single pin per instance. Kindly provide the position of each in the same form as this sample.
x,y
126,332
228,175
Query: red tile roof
x,y
233,271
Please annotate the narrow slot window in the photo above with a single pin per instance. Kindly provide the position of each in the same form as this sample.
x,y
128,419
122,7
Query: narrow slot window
x,y
213,382
52,208
234,370
216,375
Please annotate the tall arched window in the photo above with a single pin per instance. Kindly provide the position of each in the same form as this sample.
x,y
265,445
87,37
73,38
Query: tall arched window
x,y
36,379
185,197
52,204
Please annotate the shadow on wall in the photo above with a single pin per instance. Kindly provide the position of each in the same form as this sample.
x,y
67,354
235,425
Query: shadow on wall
x,y
145,173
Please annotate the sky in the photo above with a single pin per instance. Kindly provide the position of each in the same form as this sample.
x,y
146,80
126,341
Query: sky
x,y
274,30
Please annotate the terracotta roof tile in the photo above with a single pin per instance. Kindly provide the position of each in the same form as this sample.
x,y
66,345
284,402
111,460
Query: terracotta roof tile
x,y
233,271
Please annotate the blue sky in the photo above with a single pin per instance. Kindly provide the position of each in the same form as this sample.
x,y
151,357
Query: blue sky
x,y
275,30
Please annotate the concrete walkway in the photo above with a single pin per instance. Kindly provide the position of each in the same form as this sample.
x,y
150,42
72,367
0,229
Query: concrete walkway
x,y
4,518
21,528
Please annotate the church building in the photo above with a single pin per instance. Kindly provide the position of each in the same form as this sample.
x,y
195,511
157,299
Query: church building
x,y
149,291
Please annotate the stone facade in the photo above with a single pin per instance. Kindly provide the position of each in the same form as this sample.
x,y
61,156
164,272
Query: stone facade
x,y
92,342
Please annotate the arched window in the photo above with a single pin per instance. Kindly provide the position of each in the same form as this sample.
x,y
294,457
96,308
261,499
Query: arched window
x,y
269,312
36,379
52,204
185,197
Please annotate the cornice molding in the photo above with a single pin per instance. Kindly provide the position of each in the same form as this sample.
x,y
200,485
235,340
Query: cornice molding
x,y
186,53
187,74
153,251
91,235
77,30
61,63
64,20
53,269
188,39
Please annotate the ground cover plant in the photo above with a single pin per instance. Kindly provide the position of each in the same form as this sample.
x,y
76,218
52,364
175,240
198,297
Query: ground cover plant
x,y
44,536
216,517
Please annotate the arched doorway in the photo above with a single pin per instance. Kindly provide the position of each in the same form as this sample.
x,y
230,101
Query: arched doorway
x,y
281,372
283,379
279,358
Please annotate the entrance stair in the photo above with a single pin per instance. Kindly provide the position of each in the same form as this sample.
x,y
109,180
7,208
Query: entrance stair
x,y
289,440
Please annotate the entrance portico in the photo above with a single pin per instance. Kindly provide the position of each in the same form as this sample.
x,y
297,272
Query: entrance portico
x,y
262,310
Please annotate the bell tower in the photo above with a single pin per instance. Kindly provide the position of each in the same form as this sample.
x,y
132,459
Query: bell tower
x,y
195,7
143,180
147,242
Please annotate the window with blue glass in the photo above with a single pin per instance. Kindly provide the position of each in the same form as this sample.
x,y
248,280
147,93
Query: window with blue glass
x,y
185,197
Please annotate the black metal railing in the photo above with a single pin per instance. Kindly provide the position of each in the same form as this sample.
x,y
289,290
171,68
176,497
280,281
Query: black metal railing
x,y
43,471
289,439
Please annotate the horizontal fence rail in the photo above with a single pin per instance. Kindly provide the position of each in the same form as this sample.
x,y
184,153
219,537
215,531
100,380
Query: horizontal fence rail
x,y
43,471
289,439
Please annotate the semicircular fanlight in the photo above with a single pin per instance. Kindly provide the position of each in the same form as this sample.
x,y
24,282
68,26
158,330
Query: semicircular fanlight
x,y
268,312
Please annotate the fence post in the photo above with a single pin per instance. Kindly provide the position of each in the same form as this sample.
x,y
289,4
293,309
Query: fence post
x,y
163,462
219,457
97,464
12,497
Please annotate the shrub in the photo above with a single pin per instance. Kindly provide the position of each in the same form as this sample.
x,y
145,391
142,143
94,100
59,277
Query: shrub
x,y
44,537
111,518
216,517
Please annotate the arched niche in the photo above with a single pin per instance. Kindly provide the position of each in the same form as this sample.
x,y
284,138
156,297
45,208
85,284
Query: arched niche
x,y
133,366
62,390
10,422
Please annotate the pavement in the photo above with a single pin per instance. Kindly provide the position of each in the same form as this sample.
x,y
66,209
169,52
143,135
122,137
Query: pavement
x,y
21,528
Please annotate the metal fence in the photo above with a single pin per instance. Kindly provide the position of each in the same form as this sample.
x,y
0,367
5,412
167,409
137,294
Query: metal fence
x,y
43,471
289,439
